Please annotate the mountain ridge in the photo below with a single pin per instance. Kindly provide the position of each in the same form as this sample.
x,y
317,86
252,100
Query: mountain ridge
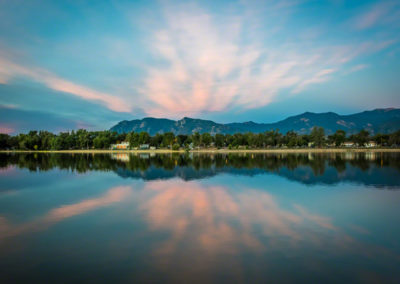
x,y
380,120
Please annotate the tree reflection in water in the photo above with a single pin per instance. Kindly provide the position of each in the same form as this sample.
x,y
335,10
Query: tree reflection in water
x,y
309,168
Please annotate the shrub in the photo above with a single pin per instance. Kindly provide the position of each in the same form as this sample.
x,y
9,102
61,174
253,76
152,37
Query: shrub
x,y
175,147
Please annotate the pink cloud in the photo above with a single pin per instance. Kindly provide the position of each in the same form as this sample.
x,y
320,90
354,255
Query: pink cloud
x,y
7,129
9,69
319,77
358,67
374,15
209,65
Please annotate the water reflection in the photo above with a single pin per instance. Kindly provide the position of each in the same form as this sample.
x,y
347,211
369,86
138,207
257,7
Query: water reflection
x,y
378,169
215,223
194,229
219,221
56,215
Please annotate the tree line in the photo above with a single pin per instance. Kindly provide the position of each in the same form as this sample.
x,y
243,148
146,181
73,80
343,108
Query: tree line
x,y
83,139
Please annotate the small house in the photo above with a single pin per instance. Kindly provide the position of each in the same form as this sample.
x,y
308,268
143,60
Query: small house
x,y
371,144
144,147
121,146
349,144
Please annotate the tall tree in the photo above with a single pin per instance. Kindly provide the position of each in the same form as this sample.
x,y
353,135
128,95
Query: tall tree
x,y
318,136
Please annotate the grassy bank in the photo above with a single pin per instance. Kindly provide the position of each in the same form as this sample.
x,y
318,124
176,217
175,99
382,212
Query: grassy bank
x,y
211,150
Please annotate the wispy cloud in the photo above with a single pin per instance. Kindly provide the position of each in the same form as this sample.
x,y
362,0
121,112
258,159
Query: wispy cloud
x,y
319,77
211,64
376,14
10,69
358,67
174,59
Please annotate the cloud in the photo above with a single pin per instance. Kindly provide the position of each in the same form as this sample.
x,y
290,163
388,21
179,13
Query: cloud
x,y
207,69
9,70
6,128
319,77
210,64
375,15
358,67
192,59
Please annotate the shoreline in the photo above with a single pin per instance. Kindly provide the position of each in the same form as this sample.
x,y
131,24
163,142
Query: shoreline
x,y
211,151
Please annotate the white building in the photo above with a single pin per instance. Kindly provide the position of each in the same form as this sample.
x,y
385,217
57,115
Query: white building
x,y
121,146
371,144
144,147
349,144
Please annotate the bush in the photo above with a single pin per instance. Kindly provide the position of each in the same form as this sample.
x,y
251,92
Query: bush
x,y
175,147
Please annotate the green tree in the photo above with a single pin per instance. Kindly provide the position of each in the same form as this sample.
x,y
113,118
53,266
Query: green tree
x,y
361,138
181,139
175,146
4,141
318,136
196,139
219,140
133,139
144,138
168,139
338,137
156,140
381,139
394,138
83,139
273,138
206,139
291,139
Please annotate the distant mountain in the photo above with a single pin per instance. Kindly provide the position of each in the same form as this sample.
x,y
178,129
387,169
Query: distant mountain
x,y
375,121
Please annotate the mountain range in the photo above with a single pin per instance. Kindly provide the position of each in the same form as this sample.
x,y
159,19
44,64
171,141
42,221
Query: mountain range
x,y
375,121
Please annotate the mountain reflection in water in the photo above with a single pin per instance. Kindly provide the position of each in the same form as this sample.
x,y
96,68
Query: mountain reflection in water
x,y
199,218
376,169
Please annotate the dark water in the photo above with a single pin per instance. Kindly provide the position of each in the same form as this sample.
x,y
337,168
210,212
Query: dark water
x,y
200,218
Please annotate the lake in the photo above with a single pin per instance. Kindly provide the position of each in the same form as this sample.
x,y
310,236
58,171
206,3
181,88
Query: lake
x,y
200,218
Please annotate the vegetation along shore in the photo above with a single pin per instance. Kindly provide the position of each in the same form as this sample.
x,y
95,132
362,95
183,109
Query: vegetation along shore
x,y
106,141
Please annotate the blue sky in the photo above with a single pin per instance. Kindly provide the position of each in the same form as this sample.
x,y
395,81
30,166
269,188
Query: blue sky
x,y
71,64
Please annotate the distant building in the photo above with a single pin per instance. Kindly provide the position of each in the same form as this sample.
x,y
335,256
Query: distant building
x,y
371,144
152,148
349,144
121,146
144,147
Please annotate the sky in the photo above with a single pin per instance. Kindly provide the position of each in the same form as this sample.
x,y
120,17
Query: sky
x,y
88,64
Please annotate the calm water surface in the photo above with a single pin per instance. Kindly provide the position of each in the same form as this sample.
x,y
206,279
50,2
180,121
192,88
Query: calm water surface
x,y
120,218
